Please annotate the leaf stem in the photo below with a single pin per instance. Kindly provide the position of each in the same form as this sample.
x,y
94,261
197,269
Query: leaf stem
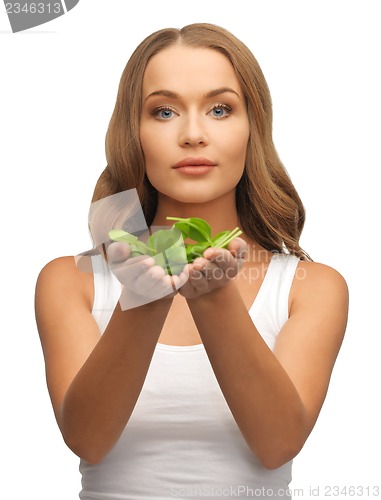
x,y
230,237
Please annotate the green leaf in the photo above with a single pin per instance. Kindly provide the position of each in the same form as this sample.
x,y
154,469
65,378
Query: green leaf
x,y
139,248
162,239
194,228
233,234
176,256
196,250
167,246
159,260
123,236
219,238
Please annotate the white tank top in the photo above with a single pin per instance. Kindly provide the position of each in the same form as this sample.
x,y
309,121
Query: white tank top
x,y
181,439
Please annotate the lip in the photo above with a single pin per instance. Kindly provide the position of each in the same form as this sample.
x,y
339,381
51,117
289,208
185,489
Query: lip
x,y
195,162
195,169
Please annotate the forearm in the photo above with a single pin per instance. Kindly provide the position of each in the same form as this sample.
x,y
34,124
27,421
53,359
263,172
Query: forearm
x,y
101,398
260,394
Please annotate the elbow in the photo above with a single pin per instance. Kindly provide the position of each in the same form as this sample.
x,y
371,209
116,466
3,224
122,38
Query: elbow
x,y
92,459
273,459
278,451
89,452
284,445
88,445
88,455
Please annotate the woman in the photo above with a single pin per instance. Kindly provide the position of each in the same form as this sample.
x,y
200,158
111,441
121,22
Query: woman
x,y
212,387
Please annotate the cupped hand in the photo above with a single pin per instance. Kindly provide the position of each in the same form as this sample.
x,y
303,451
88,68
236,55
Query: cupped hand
x,y
214,269
143,280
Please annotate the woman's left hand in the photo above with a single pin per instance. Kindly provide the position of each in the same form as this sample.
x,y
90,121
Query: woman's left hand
x,y
214,269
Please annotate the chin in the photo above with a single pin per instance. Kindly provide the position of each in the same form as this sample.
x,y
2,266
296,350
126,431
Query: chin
x,y
192,197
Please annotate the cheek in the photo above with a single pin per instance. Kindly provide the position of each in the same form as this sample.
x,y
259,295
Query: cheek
x,y
154,144
153,153
238,152
236,144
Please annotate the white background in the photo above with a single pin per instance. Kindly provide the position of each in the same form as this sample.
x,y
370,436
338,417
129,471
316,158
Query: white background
x,y
57,91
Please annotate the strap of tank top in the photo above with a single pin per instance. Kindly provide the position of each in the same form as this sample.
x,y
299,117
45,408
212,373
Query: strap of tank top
x,y
106,291
283,273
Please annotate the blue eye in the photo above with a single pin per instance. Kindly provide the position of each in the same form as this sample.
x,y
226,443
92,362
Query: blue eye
x,y
162,113
220,109
166,113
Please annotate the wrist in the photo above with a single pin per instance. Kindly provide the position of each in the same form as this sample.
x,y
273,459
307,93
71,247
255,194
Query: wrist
x,y
215,297
130,300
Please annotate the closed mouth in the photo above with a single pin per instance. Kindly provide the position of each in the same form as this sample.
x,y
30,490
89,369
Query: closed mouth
x,y
194,162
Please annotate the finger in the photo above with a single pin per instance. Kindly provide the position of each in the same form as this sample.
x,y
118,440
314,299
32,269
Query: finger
x,y
180,279
239,248
118,252
204,268
129,270
195,284
228,266
150,287
150,280
198,278
221,257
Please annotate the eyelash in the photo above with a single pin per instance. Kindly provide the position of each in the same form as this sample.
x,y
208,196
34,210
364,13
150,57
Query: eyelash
x,y
226,107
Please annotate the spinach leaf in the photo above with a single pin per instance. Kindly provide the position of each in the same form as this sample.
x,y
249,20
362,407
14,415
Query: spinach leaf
x,y
163,239
194,228
167,246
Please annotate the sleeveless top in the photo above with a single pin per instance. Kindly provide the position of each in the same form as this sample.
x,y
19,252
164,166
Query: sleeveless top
x,y
181,439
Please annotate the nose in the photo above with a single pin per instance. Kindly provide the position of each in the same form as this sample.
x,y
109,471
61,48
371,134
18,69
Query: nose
x,y
193,132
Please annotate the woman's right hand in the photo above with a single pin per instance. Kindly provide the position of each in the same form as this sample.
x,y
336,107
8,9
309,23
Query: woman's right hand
x,y
143,281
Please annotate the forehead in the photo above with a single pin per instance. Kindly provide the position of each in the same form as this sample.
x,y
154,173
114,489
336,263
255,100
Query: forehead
x,y
188,70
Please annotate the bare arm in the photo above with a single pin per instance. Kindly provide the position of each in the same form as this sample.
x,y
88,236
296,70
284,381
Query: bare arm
x,y
275,397
94,380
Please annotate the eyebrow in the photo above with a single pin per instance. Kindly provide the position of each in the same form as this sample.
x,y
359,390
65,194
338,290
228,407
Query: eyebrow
x,y
175,95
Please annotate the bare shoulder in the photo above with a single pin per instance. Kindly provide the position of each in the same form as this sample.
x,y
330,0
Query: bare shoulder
x,y
319,285
315,277
61,276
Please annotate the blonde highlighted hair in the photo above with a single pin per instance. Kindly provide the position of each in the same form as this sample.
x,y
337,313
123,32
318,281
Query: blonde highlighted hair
x,y
268,205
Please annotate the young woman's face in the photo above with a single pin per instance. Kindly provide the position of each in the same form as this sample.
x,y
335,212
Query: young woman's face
x,y
193,111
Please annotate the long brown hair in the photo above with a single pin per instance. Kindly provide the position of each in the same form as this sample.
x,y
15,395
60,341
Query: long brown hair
x,y
268,205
